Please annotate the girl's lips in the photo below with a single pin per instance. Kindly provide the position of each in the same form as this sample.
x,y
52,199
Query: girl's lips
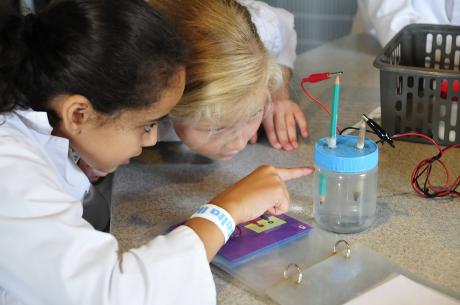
x,y
95,175
230,154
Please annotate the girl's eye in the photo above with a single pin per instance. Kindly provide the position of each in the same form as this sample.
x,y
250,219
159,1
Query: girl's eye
x,y
149,127
215,130
256,115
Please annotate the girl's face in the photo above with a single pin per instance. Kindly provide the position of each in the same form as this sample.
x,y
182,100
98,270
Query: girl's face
x,y
106,146
223,142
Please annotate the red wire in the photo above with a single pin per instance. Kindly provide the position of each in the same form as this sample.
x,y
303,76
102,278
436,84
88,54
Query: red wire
x,y
424,168
316,100
408,134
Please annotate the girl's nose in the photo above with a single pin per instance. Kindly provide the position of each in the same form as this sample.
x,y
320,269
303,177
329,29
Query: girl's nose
x,y
239,141
150,139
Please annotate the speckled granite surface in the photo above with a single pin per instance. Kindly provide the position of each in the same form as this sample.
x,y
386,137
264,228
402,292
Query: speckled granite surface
x,y
168,182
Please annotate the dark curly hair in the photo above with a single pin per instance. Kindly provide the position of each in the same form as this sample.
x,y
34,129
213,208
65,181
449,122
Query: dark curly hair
x,y
120,54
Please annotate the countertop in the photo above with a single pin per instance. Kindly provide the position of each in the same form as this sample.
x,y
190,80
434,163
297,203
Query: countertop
x,y
168,182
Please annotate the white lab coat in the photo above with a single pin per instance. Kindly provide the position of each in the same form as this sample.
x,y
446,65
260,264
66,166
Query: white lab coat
x,y
385,18
49,255
275,27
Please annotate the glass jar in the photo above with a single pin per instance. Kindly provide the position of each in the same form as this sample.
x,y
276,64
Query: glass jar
x,y
345,192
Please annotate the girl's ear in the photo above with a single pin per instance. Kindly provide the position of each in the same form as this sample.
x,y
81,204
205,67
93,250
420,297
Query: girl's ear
x,y
76,112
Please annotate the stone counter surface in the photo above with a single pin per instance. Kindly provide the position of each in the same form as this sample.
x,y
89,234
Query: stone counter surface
x,y
168,182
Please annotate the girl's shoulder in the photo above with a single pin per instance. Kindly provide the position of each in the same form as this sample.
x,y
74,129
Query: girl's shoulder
x,y
29,152
275,26
25,130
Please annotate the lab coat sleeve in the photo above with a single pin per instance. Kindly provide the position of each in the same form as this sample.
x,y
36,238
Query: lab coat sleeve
x,y
275,27
287,54
50,255
385,18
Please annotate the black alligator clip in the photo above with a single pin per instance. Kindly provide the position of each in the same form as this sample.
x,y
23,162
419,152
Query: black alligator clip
x,y
379,131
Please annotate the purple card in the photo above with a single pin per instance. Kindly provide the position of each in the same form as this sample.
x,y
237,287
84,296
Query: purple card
x,y
261,235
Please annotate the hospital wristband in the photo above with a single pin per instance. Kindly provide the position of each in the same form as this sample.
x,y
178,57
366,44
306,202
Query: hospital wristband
x,y
218,216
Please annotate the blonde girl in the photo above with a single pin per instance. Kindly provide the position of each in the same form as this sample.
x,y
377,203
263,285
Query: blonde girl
x,y
233,82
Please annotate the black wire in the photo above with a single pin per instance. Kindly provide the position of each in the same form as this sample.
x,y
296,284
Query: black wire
x,y
426,166
355,128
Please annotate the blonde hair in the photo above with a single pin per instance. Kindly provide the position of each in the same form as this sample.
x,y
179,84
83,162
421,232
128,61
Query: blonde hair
x,y
228,61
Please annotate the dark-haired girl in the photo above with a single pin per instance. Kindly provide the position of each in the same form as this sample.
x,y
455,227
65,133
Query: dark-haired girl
x,y
90,79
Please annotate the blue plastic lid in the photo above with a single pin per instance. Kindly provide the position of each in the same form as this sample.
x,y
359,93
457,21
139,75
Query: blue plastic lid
x,y
346,158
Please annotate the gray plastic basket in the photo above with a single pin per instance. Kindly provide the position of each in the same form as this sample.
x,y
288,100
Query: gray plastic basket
x,y
420,82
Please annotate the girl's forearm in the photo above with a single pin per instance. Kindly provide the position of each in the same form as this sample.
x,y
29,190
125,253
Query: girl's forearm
x,y
283,93
209,233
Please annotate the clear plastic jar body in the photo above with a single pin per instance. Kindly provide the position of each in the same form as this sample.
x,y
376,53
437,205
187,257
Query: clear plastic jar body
x,y
345,202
